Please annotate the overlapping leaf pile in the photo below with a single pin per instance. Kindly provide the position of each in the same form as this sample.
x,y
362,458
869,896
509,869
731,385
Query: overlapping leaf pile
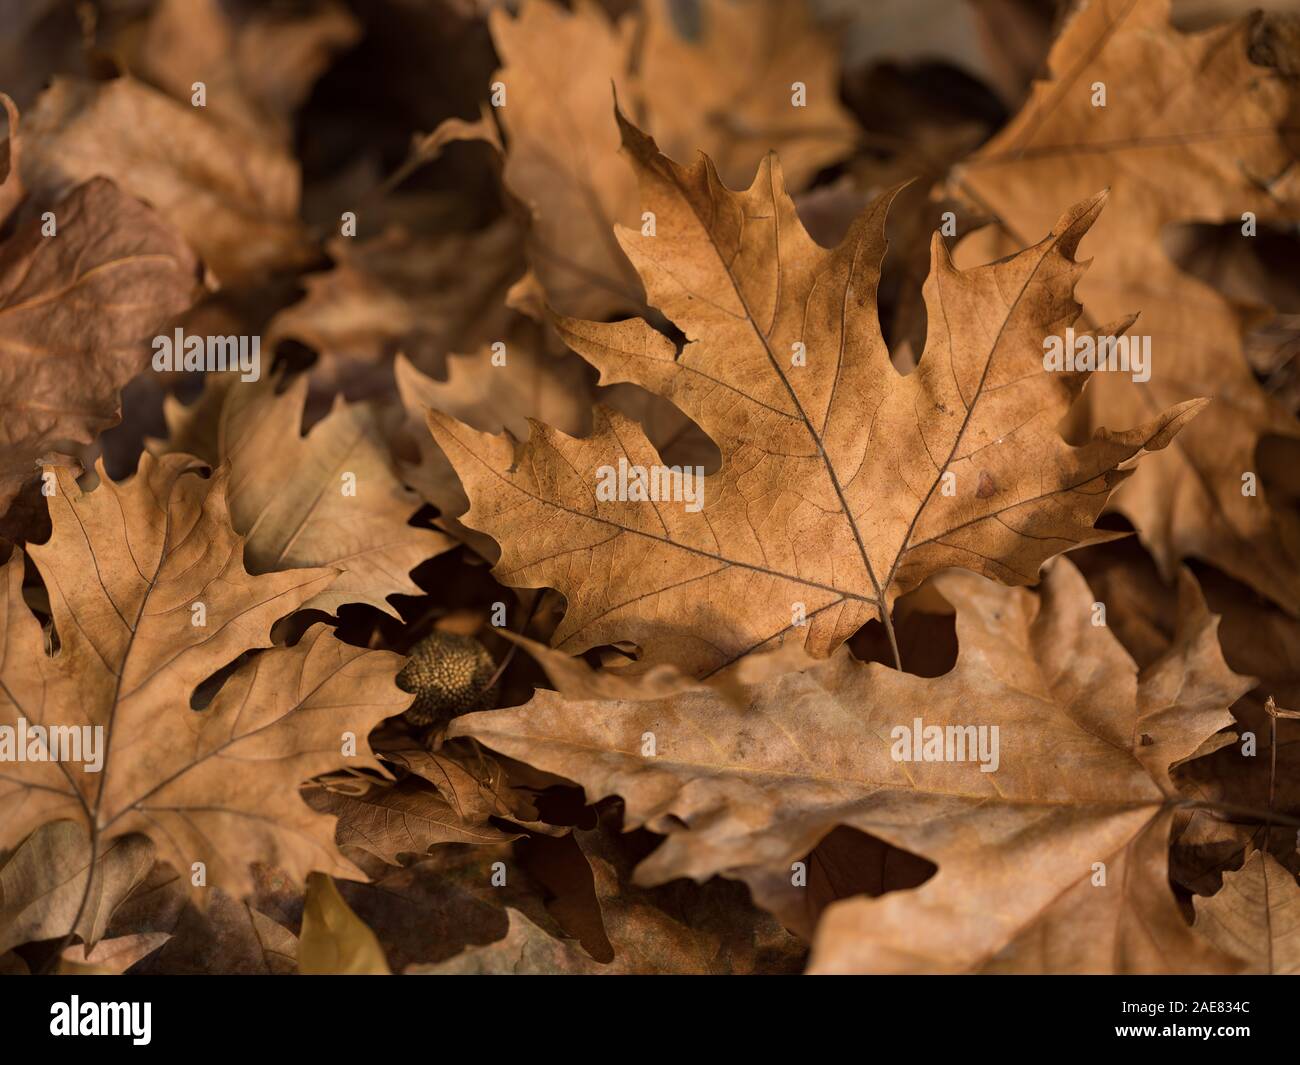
x,y
946,660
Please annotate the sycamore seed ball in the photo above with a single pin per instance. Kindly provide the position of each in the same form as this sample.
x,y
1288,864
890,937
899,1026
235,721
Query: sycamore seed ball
x,y
449,675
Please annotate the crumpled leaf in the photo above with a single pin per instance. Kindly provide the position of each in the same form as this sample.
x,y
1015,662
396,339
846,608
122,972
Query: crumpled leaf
x,y
1213,114
401,291
76,312
241,219
746,790
831,493
408,818
218,785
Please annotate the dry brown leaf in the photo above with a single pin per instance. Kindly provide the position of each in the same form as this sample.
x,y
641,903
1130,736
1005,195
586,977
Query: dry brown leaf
x,y
1256,916
217,786
745,791
562,160
1195,129
224,936
830,492
42,883
406,818
534,383
401,292
308,518
525,950
257,71
241,219
473,784
76,312
727,92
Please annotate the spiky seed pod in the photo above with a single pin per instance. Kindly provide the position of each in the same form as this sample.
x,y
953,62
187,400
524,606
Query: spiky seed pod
x,y
449,675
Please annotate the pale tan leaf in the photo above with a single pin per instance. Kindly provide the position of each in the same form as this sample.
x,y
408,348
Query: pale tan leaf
x,y
334,941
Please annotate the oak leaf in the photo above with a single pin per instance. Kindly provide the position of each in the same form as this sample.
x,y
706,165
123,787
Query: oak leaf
x,y
843,483
343,505
1084,748
125,569
1196,128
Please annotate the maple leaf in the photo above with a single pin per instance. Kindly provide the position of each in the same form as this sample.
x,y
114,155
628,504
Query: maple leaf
x,y
843,483
242,220
1256,916
124,568
1196,127
1084,747
75,313
343,507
